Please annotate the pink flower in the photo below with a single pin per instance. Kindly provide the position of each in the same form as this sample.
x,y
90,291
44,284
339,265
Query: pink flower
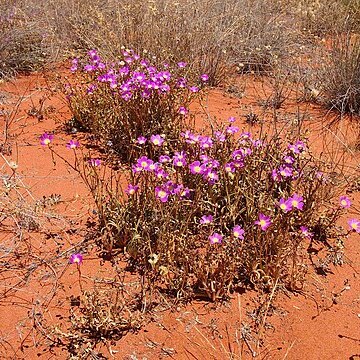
x,y
297,202
132,189
232,129
215,238
211,176
285,171
72,144
206,219
229,167
94,162
305,232
345,202
144,163
76,259
141,140
298,147
285,205
156,140
354,225
204,77
179,159
197,168
194,89
264,222
161,194
45,139
238,232
183,110
275,175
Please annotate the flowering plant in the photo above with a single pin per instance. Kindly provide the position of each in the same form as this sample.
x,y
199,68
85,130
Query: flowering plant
x,y
131,98
222,209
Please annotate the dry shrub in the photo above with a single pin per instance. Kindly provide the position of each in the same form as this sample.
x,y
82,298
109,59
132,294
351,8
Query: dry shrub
x,y
217,212
120,102
24,43
339,76
322,17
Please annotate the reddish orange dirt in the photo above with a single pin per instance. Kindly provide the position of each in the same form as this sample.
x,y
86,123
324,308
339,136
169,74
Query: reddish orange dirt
x,y
320,322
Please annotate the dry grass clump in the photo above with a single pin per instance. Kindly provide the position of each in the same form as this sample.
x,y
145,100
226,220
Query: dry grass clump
x,y
322,17
212,34
24,43
339,77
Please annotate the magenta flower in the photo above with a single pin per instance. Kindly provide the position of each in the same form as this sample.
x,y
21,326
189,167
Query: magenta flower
x,y
181,64
215,238
275,175
179,159
91,88
232,129
72,144
164,158
204,77
136,168
161,173
74,66
161,194
285,205
156,140
301,146
144,163
181,83
289,160
132,189
232,119
245,136
345,202
238,232
220,136
185,192
88,68
206,219
285,171
238,155
94,162
230,167
197,168
186,135
45,139
211,176
179,162
297,202
183,110
298,147
264,222
305,232
92,54
141,140
354,225
194,89
76,259
239,164
206,142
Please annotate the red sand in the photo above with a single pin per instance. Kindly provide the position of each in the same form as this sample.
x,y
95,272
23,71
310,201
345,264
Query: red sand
x,y
321,322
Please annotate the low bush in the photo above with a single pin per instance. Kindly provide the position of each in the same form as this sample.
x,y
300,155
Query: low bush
x,y
339,76
23,45
133,103
217,212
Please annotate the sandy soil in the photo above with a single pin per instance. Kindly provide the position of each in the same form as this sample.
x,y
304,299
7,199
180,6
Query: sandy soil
x,y
320,322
